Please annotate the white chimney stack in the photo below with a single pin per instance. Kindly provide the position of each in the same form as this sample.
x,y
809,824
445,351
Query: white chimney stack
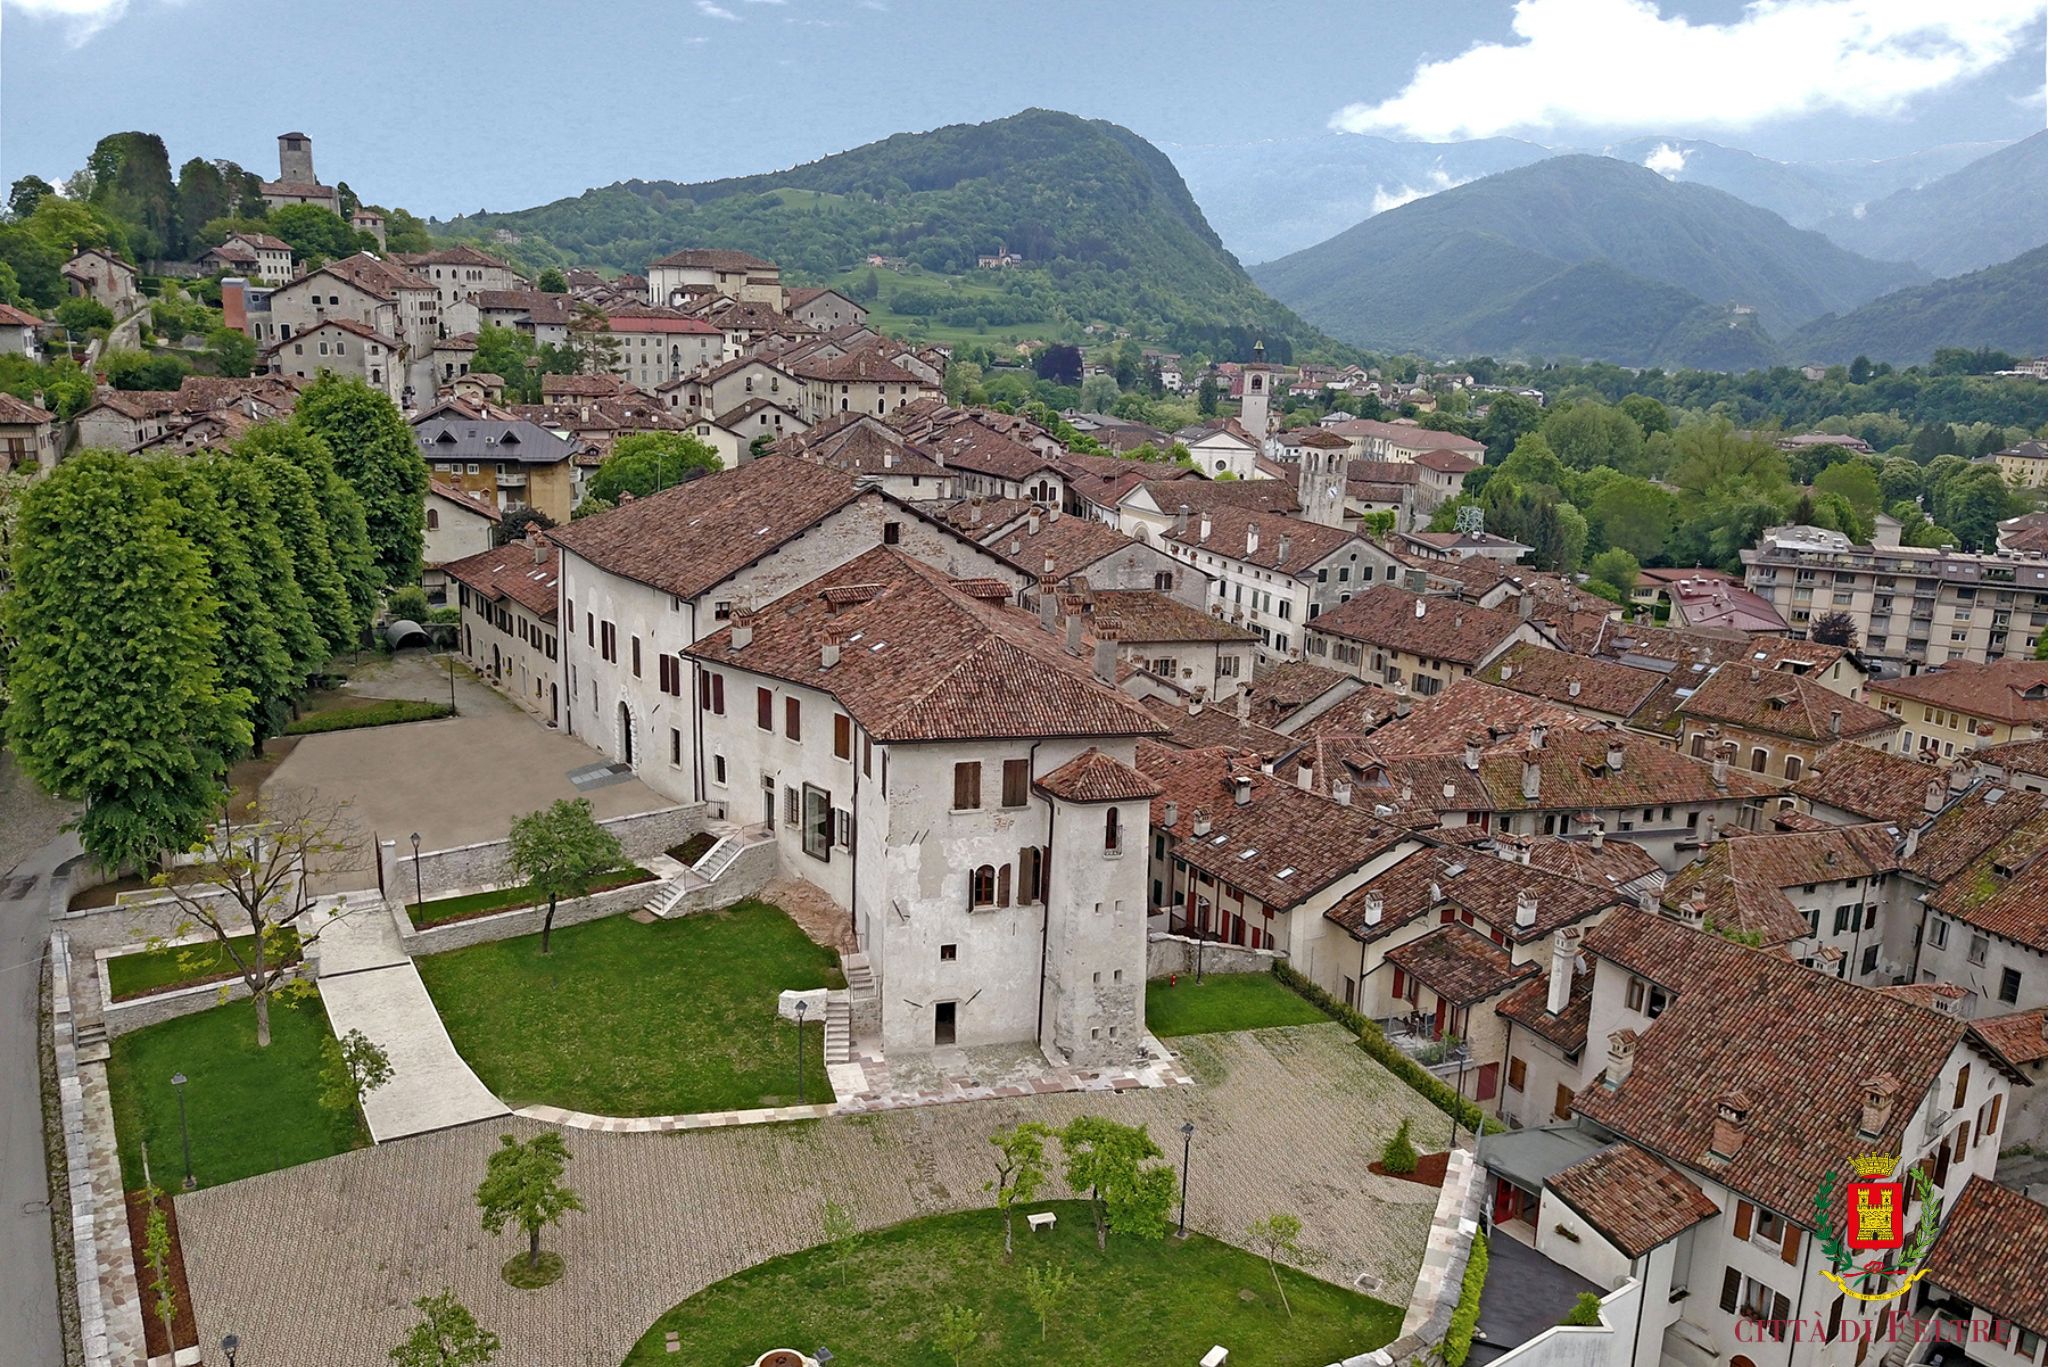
x,y
828,652
1614,754
1525,909
1169,813
1251,538
1204,536
1564,957
1375,907
1532,778
1621,1057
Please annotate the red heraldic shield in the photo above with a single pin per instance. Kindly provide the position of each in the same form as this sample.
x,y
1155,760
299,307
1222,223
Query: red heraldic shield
x,y
1877,1215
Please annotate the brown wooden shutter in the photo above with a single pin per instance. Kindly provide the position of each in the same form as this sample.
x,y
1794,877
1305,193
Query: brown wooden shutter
x,y
1731,1290
1991,1122
1790,1249
1744,1214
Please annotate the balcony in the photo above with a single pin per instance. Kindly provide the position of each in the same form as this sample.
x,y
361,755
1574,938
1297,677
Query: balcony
x,y
511,479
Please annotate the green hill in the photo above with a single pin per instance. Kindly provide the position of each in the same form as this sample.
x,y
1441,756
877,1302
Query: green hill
x,y
1108,231
1998,308
1688,275
1990,211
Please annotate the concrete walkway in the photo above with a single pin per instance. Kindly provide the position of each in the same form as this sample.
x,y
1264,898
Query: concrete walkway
x,y
368,984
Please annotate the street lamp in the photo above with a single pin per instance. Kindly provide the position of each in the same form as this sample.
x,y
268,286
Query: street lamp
x,y
419,897
800,1051
451,682
230,1345
1187,1148
184,1131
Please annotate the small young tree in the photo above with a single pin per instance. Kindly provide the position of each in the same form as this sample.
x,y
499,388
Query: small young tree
x,y
1585,1312
1398,1156
1278,1236
523,1186
1107,1160
842,1234
957,1329
560,851
260,862
446,1336
156,1252
1046,1286
351,1068
1020,1172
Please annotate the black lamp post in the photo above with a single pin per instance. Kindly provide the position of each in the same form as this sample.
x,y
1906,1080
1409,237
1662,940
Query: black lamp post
x,y
184,1131
230,1345
1187,1148
800,1005
451,681
419,896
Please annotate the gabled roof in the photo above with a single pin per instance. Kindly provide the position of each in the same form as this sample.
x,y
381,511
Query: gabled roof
x,y
1143,616
463,499
1634,1201
1209,726
1285,545
2013,692
1433,628
1576,681
1988,1254
920,658
1870,783
21,411
1459,964
1740,884
1491,888
1784,704
715,259
1528,1006
1092,776
509,572
375,277
446,435
1070,544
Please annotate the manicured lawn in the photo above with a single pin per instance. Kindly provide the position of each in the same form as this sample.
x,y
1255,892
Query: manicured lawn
x,y
441,909
135,975
1141,1302
1223,1001
251,1110
347,713
667,1018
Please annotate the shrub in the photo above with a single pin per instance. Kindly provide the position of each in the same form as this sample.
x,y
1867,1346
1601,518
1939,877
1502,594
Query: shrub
x,y
408,604
378,714
1585,1314
1465,1317
1374,1042
1398,1157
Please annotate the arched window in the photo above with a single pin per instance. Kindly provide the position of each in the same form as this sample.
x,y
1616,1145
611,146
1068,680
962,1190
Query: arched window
x,y
1112,832
985,886
1791,767
1757,759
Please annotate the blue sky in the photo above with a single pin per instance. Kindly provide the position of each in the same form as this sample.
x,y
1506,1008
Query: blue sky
x,y
448,107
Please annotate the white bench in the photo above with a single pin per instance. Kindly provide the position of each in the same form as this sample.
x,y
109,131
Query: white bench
x,y
1216,1356
1045,1219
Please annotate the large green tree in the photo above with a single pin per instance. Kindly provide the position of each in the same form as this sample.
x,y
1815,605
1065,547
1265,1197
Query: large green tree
x,y
131,182
643,463
332,537
317,235
116,693
375,452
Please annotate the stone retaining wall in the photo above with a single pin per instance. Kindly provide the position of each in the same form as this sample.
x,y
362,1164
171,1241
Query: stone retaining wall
x,y
483,864
95,933
507,925
118,1018
1444,1256
1170,954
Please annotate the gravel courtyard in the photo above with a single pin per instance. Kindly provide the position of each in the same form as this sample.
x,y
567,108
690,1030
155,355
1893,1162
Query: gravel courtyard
x,y
321,1263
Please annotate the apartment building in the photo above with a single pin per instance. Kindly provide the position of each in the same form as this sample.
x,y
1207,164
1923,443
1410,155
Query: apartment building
x,y
1956,709
1273,574
387,298
509,461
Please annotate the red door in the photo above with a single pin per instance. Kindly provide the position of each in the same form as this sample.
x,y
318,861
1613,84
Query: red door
x,y
1489,1081
1442,1007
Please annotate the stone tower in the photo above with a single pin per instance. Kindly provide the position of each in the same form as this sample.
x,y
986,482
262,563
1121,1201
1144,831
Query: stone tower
x,y
1321,488
1256,416
295,159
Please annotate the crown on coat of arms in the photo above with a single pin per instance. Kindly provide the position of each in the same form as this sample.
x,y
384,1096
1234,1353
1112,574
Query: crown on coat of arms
x,y
1874,1165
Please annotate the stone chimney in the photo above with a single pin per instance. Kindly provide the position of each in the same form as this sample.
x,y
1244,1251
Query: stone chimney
x,y
1937,794
1281,558
742,628
1031,524
1507,671
1305,777
1621,1058
1564,960
1721,758
538,547
1073,635
1048,604
1572,689
1525,909
1169,813
1341,792
1532,778
974,511
1204,533
1105,654
1473,742
1244,704
1536,735
1527,605
1251,538
1879,1094
1615,751
1375,907
1201,826
1402,707
828,651
1731,1124
1180,521
1596,835
1052,514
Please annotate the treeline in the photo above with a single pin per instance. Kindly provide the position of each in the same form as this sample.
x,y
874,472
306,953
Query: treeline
x,y
163,613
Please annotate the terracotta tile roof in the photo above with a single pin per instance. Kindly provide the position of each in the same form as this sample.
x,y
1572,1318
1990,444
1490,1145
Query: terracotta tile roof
x,y
715,259
137,403
2004,890
1529,1007
1394,619
647,318
375,277
1491,888
1575,681
1634,1201
861,367
468,501
20,411
1285,689
582,386
1143,616
1408,436
860,449
1611,865
973,447
2022,1036
2014,756
686,539
1071,544
1988,1250
1449,462
1575,775
461,254
922,658
1381,471
1782,703
1354,716
2012,692
509,572
1286,545
1216,726
1790,1048
1282,845
1262,495
1092,776
995,514
1741,883
1459,964
1440,724
263,241
1978,821
1870,783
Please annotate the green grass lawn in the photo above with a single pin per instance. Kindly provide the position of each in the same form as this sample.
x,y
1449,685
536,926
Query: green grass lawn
x,y
250,1110
441,909
667,1018
347,712
1141,1302
1224,1001
135,975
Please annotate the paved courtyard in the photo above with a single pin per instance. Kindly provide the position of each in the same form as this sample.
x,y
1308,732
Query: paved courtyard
x,y
321,1263
456,781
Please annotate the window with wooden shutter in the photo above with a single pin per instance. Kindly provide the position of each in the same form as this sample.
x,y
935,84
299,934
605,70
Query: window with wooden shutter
x,y
718,694
1016,782
1991,1123
764,709
1518,1074
636,657
1962,1087
792,718
1003,886
842,735
1562,1110
1029,864
1745,1213
967,786
1789,1250
1731,1290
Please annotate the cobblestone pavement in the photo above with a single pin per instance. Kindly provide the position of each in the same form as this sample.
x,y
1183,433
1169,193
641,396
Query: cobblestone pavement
x,y
319,1264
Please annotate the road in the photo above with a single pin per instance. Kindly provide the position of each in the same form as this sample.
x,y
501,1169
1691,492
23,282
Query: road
x,y
31,849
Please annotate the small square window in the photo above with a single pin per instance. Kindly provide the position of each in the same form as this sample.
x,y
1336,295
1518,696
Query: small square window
x,y
948,953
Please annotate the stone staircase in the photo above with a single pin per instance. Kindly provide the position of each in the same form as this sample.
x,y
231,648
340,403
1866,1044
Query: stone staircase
x,y
860,976
669,895
838,1029
92,1043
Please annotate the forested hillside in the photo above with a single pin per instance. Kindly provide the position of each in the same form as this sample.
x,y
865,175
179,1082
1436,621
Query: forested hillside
x,y
1108,231
1999,307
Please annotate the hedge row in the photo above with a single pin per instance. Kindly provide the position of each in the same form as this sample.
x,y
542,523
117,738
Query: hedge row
x,y
1374,1041
1465,1316
377,714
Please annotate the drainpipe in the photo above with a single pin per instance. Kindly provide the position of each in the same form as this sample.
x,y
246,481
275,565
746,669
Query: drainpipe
x,y
853,848
1052,816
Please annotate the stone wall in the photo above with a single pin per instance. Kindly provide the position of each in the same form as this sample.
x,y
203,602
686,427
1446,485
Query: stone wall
x,y
119,1018
92,931
1175,954
483,864
1444,1256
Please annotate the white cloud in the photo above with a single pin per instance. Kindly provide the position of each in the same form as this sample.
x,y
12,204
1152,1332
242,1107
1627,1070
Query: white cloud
x,y
713,11
1624,64
1384,199
1666,160
82,18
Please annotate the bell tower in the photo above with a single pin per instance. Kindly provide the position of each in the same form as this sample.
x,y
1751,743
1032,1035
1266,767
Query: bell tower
x,y
295,159
1256,412
1321,487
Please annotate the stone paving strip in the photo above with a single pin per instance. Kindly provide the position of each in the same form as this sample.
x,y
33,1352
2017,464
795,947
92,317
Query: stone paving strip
x,y
321,1263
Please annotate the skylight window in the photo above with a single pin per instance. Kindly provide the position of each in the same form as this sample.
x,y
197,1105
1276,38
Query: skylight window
x,y
1219,840
1248,854
1285,873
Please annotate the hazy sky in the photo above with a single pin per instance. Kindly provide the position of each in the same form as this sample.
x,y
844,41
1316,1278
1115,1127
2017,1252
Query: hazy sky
x,y
447,106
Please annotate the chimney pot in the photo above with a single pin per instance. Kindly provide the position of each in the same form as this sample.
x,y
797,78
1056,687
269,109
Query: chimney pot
x,y
1201,825
1621,1058
1375,907
1170,813
1572,689
1731,1121
1180,521
1564,954
1525,909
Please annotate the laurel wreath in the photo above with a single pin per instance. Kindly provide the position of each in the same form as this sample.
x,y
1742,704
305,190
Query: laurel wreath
x,y
1915,1249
